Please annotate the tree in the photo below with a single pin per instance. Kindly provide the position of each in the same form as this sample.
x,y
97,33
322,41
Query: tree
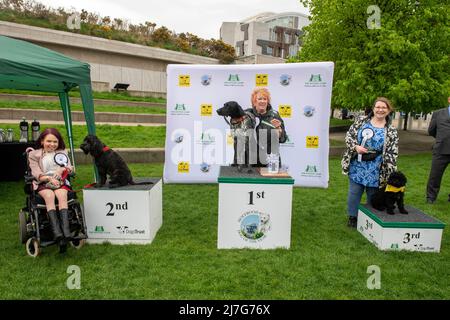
x,y
403,55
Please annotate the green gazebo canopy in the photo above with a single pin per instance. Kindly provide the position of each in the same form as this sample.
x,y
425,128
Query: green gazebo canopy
x,y
26,66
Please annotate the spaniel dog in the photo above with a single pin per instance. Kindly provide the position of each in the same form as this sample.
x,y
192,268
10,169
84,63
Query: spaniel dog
x,y
386,198
242,125
108,162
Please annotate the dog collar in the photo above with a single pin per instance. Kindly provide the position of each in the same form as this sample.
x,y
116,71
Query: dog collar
x,y
390,188
237,120
105,148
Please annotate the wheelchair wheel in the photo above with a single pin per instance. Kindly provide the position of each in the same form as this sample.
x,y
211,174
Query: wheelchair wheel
x,y
23,226
33,248
77,244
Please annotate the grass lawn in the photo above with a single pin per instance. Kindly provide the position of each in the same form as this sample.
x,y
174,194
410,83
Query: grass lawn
x,y
96,95
327,260
46,105
114,136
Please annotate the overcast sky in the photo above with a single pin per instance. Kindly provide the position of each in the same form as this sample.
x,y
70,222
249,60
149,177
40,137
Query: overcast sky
x,y
200,17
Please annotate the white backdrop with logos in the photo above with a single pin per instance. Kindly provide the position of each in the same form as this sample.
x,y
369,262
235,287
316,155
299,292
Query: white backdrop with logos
x,y
198,139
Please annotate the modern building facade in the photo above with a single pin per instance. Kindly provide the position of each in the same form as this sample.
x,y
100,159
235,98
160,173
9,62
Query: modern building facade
x,y
267,34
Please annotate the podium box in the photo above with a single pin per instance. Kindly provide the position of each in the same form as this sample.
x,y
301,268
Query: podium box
x,y
123,215
254,211
415,231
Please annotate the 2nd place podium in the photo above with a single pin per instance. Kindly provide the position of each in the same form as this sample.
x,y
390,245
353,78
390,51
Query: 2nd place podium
x,y
254,210
126,215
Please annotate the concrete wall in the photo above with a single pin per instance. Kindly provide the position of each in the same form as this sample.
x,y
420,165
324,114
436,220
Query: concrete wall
x,y
144,68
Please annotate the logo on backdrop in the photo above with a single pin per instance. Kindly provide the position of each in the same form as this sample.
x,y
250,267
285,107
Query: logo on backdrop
x,y
178,138
184,80
285,79
315,80
312,142
234,81
254,226
183,167
309,111
289,143
311,170
262,80
206,110
204,167
180,109
206,139
206,80
285,110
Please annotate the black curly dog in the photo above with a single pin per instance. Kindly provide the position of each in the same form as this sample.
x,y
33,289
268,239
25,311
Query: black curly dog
x,y
386,198
108,162
242,126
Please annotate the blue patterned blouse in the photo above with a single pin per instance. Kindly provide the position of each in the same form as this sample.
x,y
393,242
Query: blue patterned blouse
x,y
367,173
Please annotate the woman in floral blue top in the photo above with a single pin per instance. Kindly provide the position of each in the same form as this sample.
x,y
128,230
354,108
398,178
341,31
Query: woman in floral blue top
x,y
370,156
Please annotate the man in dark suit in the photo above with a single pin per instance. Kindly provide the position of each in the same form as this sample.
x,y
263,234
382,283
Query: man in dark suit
x,y
440,129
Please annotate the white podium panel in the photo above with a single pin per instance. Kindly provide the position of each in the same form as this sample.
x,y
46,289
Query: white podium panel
x,y
414,231
254,211
130,214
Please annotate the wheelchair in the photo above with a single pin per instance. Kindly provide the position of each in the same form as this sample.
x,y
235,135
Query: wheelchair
x,y
34,225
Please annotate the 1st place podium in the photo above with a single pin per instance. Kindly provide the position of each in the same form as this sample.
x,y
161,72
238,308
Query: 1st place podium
x,y
254,210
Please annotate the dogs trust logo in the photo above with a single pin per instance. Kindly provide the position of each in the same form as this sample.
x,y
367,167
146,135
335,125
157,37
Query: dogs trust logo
x,y
254,226
234,81
262,80
184,80
206,110
183,167
312,142
285,80
206,80
285,110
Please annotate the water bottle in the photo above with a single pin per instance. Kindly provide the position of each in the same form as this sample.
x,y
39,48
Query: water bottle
x,y
23,130
10,135
2,136
273,165
35,128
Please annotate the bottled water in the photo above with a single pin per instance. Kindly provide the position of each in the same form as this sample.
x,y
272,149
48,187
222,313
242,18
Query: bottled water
x,y
10,135
35,127
2,136
273,164
23,130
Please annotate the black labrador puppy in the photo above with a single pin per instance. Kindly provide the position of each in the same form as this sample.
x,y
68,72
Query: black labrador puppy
x,y
242,125
108,162
393,193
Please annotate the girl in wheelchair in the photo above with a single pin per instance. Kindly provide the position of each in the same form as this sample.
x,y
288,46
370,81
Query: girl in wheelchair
x,y
50,168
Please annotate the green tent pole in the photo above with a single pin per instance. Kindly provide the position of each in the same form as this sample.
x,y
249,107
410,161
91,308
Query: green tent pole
x,y
65,104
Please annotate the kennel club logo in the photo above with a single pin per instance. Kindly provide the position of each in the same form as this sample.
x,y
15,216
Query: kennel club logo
x,y
206,139
262,80
285,110
184,80
311,170
99,230
234,81
312,142
206,80
285,80
206,110
315,80
254,226
180,109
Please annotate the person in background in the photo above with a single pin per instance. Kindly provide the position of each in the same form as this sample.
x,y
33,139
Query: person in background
x,y
370,155
439,128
